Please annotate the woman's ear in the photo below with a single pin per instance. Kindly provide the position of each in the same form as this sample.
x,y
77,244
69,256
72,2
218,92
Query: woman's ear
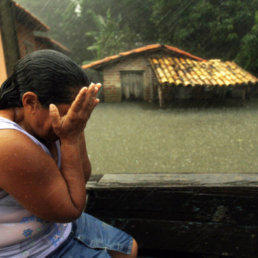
x,y
30,101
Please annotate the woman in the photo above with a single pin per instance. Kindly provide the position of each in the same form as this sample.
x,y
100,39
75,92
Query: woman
x,y
44,109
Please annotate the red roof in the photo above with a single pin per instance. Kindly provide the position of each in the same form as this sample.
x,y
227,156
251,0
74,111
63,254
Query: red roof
x,y
24,16
136,51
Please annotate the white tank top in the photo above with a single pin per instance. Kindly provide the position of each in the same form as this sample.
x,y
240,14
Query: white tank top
x,y
21,233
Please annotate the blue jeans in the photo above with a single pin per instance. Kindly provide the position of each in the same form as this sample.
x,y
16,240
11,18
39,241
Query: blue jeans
x,y
91,237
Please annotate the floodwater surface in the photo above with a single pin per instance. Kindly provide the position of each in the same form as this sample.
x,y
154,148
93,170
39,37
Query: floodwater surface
x,y
142,138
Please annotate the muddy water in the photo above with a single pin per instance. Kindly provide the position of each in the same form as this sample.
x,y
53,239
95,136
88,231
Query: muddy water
x,y
140,138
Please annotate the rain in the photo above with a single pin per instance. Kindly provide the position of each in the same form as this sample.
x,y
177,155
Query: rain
x,y
173,141
135,136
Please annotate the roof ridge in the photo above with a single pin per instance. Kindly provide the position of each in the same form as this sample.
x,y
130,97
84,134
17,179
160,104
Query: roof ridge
x,y
36,19
146,48
53,41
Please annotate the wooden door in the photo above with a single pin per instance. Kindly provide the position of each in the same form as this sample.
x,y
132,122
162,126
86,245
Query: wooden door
x,y
132,85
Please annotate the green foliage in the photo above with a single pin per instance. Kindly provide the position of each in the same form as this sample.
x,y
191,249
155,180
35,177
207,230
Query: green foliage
x,y
212,29
248,54
111,36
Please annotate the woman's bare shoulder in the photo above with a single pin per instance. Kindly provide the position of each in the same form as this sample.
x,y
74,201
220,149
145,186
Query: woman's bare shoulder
x,y
30,175
14,142
21,159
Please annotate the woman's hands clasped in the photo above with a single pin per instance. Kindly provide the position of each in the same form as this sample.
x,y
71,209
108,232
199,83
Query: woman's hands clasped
x,y
69,126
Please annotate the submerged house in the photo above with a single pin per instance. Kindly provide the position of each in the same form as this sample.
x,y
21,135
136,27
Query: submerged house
x,y
27,27
163,73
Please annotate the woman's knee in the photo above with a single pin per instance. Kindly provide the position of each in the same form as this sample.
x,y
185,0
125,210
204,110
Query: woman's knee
x,y
134,249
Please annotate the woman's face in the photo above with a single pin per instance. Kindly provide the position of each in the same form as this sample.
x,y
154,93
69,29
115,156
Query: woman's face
x,y
42,125
36,119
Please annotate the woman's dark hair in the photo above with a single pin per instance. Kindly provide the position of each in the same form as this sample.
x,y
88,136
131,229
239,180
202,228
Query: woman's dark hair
x,y
51,75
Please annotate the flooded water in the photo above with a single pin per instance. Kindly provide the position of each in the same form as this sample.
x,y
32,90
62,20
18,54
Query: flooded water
x,y
142,138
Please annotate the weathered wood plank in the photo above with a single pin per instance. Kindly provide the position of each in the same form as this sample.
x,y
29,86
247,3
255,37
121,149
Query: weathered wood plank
x,y
177,179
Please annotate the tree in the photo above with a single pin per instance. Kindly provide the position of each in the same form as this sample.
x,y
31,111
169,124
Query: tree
x,y
124,26
248,54
111,36
209,28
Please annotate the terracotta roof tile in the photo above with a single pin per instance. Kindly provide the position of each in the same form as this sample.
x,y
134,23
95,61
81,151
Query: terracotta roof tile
x,y
180,71
148,48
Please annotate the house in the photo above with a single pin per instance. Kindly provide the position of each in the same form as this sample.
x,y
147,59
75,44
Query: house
x,y
27,25
43,42
163,73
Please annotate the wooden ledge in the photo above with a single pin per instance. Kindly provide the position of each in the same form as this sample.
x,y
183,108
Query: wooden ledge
x,y
165,180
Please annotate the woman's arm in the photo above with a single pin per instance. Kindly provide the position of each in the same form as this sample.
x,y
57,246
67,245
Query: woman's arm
x,y
31,176
86,165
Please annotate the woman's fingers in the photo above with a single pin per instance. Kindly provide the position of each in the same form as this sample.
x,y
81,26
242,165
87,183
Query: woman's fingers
x,y
91,97
54,115
79,100
83,104
91,101
85,98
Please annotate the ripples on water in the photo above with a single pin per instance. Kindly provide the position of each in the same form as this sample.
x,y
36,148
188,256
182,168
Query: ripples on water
x,y
140,137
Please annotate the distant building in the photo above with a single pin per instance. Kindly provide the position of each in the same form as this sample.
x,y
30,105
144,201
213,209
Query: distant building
x,y
163,73
43,42
26,26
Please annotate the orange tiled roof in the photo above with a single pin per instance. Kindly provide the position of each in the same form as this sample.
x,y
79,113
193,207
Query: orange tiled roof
x,y
52,43
184,71
148,48
23,15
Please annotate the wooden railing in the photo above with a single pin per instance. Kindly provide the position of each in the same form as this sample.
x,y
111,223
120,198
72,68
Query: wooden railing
x,y
174,215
